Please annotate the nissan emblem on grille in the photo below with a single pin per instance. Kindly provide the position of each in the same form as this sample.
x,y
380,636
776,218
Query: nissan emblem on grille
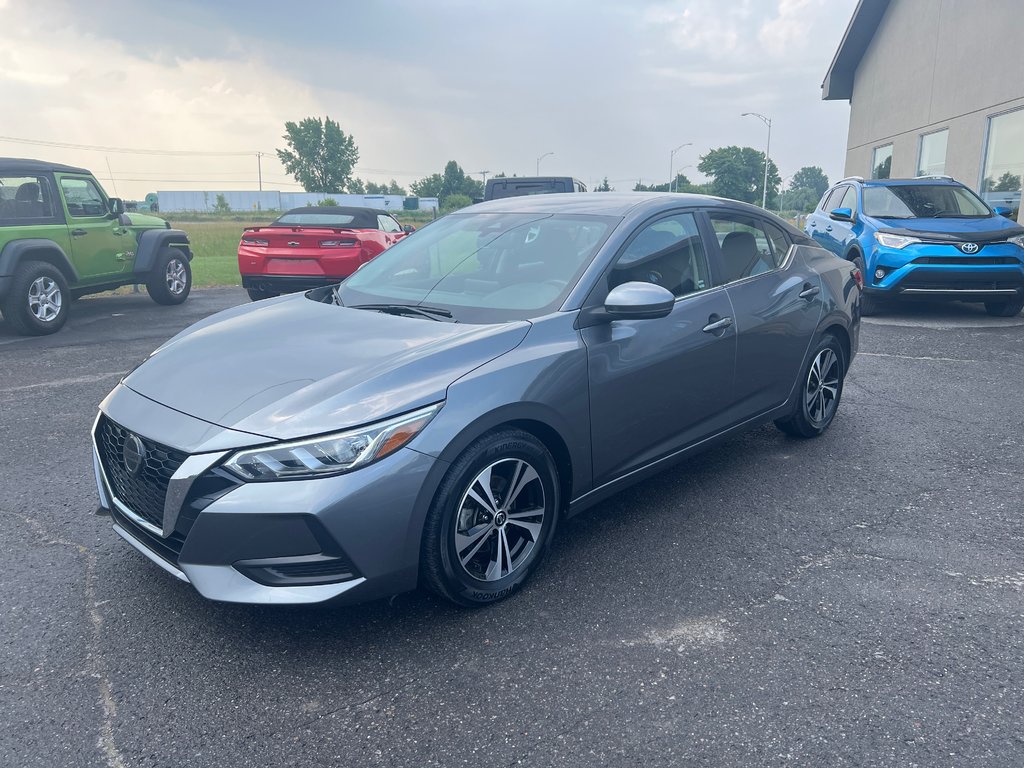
x,y
970,247
133,454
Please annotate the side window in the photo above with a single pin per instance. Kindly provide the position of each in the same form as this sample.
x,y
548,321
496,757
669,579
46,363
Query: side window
x,y
746,247
849,200
778,241
833,199
667,252
388,224
83,198
24,198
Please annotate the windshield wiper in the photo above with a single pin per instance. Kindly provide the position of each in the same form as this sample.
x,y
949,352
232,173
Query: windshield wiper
x,y
434,313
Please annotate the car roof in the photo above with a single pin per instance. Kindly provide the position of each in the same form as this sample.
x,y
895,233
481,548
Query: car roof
x,y
22,165
362,217
909,182
603,203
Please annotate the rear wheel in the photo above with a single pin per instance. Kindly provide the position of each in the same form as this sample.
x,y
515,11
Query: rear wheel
x,y
38,302
492,519
1010,308
821,391
258,294
171,279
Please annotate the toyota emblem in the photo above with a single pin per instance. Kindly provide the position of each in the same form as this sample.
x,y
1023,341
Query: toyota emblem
x,y
970,247
133,454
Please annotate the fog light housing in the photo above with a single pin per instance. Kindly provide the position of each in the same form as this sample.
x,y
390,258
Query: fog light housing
x,y
880,274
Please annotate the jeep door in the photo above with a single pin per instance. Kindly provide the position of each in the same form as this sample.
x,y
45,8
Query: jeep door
x,y
657,385
777,303
100,246
30,208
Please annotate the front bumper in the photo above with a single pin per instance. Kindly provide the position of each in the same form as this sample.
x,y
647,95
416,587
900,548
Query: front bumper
x,y
994,273
347,538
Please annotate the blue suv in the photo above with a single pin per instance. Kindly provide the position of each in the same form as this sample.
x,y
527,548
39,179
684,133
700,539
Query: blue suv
x,y
930,237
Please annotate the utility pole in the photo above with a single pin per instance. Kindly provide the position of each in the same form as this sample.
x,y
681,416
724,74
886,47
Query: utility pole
x,y
767,121
484,174
259,168
546,154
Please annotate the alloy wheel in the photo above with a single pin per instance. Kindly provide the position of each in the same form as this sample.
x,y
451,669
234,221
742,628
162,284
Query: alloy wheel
x,y
44,299
822,391
176,276
499,519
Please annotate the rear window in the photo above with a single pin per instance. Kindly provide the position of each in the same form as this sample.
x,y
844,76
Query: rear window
x,y
317,219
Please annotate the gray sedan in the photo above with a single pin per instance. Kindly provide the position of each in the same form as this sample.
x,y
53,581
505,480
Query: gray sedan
x,y
430,420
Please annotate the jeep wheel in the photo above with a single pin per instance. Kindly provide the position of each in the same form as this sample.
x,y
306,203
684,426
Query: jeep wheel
x,y
171,278
38,301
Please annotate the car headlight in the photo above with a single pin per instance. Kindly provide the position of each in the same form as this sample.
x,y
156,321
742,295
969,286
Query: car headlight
x,y
890,240
1018,241
330,454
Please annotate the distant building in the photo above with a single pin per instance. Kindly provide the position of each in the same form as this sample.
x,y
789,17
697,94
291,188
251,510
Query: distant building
x,y
935,87
188,201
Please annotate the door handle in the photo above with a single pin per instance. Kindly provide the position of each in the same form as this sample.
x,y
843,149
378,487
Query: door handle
x,y
814,225
717,325
828,228
78,233
809,291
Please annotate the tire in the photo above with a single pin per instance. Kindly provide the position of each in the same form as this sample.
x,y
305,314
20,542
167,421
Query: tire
x,y
869,305
461,560
1010,308
258,294
39,299
819,394
170,282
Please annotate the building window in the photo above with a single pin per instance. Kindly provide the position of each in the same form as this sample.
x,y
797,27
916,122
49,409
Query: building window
x,y
881,163
1004,161
932,160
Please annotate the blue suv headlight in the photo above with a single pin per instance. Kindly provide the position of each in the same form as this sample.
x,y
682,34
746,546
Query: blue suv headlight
x,y
890,240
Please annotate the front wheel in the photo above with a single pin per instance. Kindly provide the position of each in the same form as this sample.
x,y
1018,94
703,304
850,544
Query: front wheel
x,y
38,301
171,279
820,393
491,520
1005,308
869,305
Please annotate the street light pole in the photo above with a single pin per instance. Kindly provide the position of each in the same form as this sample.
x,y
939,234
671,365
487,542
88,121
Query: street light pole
x,y
671,159
484,174
767,121
259,168
541,158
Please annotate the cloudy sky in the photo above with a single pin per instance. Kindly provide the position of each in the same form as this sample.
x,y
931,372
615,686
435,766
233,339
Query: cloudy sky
x,y
608,87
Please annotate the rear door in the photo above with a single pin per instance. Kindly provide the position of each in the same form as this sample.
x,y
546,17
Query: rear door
x,y
776,302
100,246
30,208
392,229
659,385
820,226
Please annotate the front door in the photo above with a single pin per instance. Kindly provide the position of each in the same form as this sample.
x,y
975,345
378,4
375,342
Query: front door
x,y
776,302
100,246
659,385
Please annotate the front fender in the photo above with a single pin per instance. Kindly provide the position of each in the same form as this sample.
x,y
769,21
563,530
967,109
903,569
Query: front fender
x,y
152,241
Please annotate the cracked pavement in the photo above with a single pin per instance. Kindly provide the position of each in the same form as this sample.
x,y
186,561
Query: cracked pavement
x,y
853,600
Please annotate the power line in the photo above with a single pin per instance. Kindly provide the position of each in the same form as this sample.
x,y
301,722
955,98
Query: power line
x,y
124,150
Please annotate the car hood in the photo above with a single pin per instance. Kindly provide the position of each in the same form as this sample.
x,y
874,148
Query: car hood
x,y
293,367
992,228
145,220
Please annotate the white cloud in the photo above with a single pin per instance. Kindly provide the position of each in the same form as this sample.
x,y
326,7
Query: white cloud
x,y
789,31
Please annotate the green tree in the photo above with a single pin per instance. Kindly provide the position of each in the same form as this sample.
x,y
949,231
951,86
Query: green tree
x,y
395,189
221,206
803,200
453,181
454,202
320,155
372,188
355,187
604,186
883,169
327,201
681,184
738,173
810,177
1008,182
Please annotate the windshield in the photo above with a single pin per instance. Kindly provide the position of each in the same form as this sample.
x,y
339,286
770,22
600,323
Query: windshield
x,y
923,201
321,219
483,267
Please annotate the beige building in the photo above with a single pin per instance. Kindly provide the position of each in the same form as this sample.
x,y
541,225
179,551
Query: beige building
x,y
935,87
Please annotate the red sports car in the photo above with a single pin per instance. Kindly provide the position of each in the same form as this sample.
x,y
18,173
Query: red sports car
x,y
310,247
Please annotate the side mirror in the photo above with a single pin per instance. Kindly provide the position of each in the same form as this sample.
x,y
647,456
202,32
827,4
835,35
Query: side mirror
x,y
841,214
638,301
116,206
1002,210
408,229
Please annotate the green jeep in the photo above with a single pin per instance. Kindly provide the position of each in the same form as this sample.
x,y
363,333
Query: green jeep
x,y
61,237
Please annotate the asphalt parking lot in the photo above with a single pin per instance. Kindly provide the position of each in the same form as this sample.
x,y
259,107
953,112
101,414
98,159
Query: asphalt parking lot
x,y
854,600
